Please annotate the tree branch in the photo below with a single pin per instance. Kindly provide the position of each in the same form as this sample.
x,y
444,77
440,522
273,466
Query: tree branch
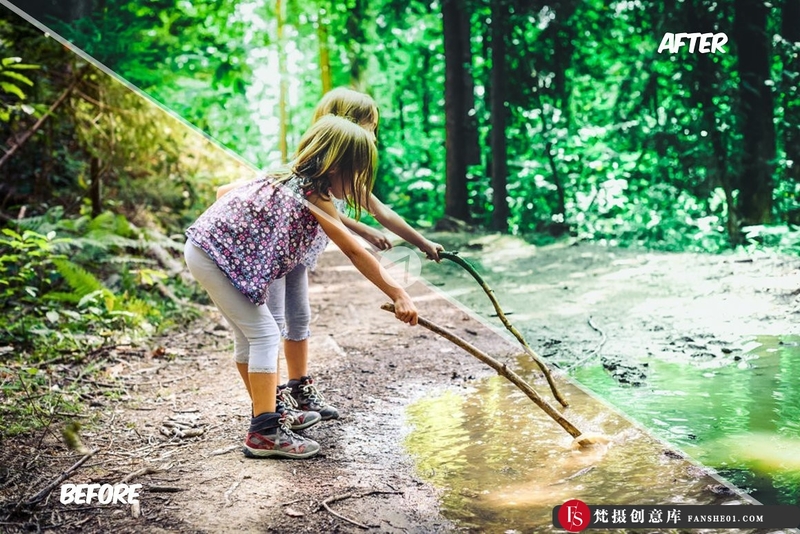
x,y
503,370
454,257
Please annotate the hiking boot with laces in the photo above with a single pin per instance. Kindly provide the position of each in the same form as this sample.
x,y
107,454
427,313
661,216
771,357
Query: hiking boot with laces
x,y
309,398
285,403
270,436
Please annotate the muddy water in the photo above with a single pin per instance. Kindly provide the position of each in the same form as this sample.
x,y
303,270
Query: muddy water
x,y
739,416
504,464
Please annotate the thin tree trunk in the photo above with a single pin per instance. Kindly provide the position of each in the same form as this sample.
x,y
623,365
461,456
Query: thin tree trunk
x,y
708,85
425,93
486,49
324,56
356,41
473,152
456,196
283,88
95,186
95,164
790,30
499,117
758,132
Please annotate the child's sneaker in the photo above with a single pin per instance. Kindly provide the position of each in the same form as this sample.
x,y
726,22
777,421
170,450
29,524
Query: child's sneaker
x,y
270,436
302,419
309,398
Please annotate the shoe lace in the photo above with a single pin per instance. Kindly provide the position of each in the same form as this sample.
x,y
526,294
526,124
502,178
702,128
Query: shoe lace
x,y
311,392
286,397
286,421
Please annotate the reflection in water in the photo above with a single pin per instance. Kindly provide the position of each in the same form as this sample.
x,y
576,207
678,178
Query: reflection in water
x,y
505,464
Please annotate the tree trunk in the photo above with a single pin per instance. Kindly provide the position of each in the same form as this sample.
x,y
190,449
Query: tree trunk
x,y
455,110
758,132
468,87
355,44
790,30
707,80
425,93
499,117
324,56
95,186
283,87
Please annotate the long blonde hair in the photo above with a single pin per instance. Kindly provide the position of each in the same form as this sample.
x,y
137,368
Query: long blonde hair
x,y
335,145
344,102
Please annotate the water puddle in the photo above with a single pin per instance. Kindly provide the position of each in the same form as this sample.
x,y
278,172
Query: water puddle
x,y
738,416
504,464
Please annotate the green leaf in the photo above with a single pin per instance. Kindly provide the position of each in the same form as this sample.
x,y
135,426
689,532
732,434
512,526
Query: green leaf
x,y
12,89
17,76
80,280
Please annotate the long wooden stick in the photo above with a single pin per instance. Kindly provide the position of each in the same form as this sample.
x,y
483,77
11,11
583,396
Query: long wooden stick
x,y
455,258
501,369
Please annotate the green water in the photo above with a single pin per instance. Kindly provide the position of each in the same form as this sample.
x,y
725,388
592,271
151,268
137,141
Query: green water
x,y
742,418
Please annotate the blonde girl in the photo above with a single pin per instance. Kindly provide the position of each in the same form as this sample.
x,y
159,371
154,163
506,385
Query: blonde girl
x,y
288,300
261,231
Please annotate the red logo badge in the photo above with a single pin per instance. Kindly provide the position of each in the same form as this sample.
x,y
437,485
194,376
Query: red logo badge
x,y
574,515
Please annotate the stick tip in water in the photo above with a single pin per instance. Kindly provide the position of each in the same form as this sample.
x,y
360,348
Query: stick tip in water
x,y
590,439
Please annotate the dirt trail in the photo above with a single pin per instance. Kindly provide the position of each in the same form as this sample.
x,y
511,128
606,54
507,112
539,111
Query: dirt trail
x,y
371,367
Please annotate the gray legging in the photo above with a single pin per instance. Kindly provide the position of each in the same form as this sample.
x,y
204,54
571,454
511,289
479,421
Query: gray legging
x,y
256,331
288,302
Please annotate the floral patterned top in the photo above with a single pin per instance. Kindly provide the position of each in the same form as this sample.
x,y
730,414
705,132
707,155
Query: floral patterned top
x,y
258,233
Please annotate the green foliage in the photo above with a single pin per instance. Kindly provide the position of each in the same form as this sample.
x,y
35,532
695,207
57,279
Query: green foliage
x,y
591,105
52,288
13,85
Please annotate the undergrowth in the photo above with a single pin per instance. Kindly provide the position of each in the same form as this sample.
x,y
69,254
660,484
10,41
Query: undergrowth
x,y
70,289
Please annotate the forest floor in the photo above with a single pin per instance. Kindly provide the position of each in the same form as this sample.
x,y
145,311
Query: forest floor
x,y
371,367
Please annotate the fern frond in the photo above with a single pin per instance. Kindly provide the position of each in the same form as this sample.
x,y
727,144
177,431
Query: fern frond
x,y
79,279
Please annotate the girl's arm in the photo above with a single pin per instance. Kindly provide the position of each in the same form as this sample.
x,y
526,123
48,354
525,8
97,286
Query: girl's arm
x,y
393,222
374,237
328,218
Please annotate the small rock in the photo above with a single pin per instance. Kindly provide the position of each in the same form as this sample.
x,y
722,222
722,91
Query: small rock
x,y
719,489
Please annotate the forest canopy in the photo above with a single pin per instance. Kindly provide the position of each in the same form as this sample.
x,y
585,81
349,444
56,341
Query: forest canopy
x,y
517,116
